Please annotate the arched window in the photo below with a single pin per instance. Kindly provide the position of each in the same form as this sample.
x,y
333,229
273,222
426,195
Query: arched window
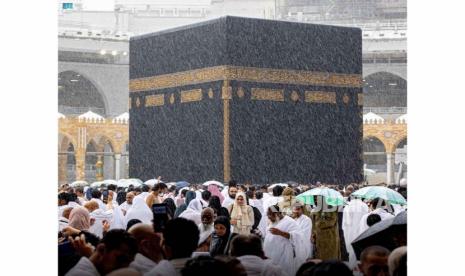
x,y
77,95
384,89
374,154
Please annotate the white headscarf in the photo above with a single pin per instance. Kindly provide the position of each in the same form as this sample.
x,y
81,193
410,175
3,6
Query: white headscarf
x,y
140,211
193,211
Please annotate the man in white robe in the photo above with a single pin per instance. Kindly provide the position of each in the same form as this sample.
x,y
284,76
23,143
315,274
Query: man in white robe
x,y
249,251
351,217
125,206
140,211
285,235
305,226
98,217
149,249
230,197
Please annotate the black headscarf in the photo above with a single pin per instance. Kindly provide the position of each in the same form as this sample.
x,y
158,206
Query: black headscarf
x,y
215,204
218,245
121,197
171,207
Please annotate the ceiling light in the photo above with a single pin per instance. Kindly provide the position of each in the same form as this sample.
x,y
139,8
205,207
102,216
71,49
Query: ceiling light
x,y
78,75
74,80
125,53
392,84
114,52
103,52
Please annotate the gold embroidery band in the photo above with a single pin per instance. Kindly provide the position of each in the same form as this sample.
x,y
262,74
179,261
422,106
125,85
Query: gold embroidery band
x,y
226,96
267,94
320,97
252,74
155,100
191,95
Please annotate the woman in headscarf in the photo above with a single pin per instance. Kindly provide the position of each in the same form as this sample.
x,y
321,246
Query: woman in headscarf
x,y
215,191
171,207
215,204
242,215
288,201
193,211
220,239
79,218
139,210
190,195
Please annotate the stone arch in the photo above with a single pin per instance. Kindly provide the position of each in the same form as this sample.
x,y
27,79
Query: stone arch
x,y
85,77
384,89
103,140
398,70
64,139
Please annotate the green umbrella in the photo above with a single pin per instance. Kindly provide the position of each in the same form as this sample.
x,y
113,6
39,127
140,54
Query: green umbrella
x,y
331,196
372,192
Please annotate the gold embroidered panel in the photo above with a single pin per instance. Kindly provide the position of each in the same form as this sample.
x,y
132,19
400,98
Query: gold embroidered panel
x,y
252,74
193,95
320,97
267,94
155,100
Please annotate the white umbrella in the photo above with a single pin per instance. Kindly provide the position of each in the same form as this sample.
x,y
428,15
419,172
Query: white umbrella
x,y
126,182
152,182
276,184
96,184
169,184
79,183
110,182
213,182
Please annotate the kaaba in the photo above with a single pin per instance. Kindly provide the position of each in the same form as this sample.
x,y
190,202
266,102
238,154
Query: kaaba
x,y
253,100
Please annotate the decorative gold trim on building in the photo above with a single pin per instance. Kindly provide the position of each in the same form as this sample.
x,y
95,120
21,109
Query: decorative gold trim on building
x,y
267,94
138,102
240,92
345,98
320,97
193,95
252,74
360,99
155,100
172,99
226,96
295,96
210,93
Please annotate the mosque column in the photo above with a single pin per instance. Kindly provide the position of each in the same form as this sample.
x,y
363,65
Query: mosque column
x,y
62,160
390,167
80,164
99,168
117,157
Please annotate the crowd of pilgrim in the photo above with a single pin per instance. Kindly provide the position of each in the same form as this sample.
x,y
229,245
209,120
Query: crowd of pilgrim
x,y
220,230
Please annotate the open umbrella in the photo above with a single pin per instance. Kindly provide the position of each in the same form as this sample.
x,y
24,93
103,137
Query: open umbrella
x,y
96,184
276,184
213,182
181,184
151,182
367,172
131,181
79,183
332,197
384,233
382,192
110,182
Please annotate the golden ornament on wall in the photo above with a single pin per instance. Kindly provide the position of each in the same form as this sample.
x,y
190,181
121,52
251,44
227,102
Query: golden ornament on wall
x,y
138,102
240,92
210,93
172,99
295,96
345,99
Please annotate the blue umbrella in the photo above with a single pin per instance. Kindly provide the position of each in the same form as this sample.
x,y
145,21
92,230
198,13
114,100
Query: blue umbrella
x,y
181,184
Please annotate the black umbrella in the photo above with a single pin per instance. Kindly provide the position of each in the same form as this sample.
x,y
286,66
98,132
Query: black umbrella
x,y
384,233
